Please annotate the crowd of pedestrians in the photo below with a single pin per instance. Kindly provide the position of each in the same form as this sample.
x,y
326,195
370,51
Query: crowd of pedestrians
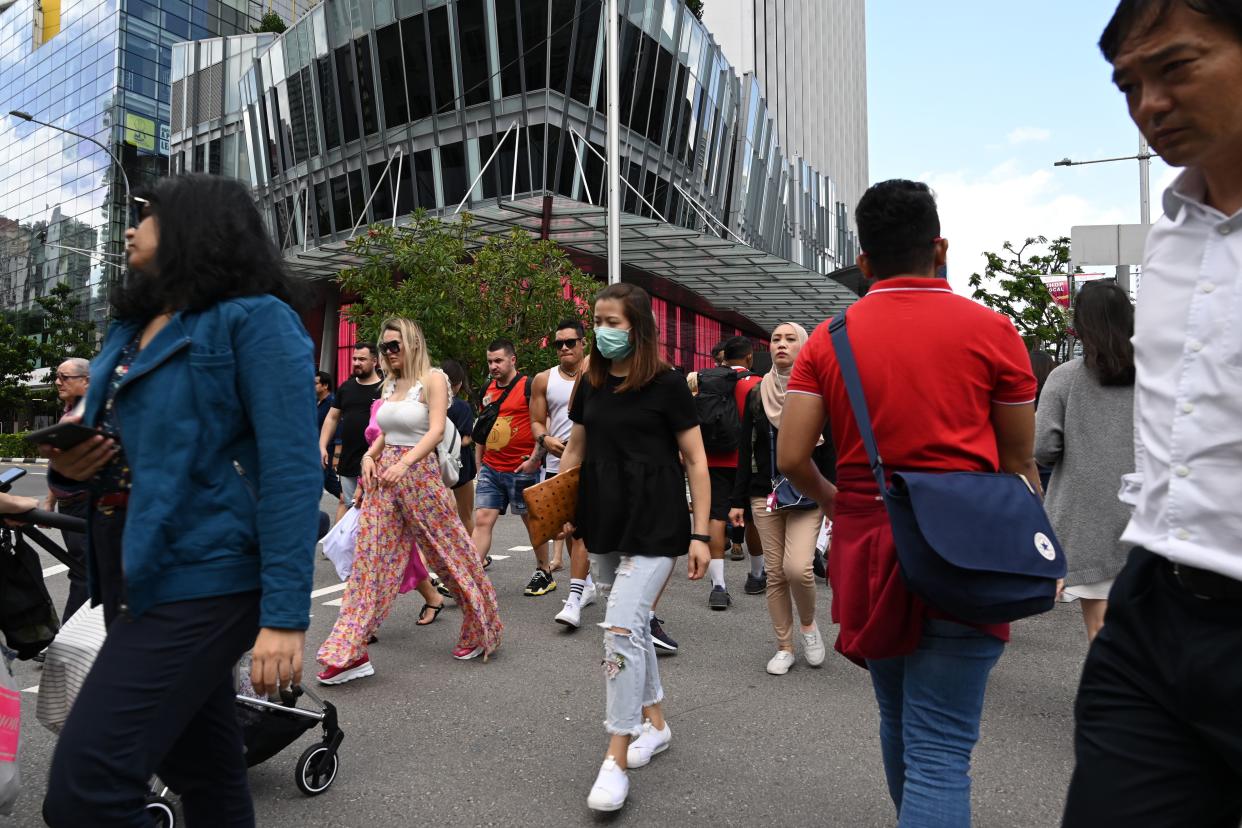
x,y
202,485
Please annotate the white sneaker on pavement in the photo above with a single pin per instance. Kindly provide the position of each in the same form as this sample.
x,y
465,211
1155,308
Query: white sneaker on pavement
x,y
648,744
813,647
588,596
571,615
780,663
611,788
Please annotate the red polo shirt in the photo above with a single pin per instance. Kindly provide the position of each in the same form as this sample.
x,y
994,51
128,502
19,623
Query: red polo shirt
x,y
932,365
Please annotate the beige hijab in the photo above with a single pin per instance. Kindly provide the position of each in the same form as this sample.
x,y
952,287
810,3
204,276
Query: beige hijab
x,y
772,386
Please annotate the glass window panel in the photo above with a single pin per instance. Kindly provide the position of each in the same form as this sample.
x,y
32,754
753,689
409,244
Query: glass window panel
x,y
297,119
323,213
381,204
348,95
392,76
534,35
472,25
414,42
366,84
340,204
560,43
441,59
453,172
659,96
510,48
357,196
425,179
328,103
585,50
308,110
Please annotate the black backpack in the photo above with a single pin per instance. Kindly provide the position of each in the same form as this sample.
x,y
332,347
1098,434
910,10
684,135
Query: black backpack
x,y
717,408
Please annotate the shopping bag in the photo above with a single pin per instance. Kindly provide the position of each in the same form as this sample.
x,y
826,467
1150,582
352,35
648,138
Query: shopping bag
x,y
10,738
338,544
69,659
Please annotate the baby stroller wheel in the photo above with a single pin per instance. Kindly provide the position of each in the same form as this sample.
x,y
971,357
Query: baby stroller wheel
x,y
161,811
316,769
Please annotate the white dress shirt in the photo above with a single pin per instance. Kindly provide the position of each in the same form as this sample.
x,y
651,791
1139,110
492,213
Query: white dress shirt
x,y
1187,488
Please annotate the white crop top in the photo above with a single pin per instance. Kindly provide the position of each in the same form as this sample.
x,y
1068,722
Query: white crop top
x,y
405,422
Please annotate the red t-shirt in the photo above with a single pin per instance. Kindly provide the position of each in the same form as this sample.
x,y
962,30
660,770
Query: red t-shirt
x,y
932,365
728,459
510,438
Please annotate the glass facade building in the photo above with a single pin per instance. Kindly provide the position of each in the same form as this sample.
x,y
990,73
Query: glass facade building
x,y
100,68
366,110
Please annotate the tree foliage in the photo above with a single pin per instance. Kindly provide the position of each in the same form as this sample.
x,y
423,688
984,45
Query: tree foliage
x,y
695,7
271,22
465,289
1013,284
65,333
19,354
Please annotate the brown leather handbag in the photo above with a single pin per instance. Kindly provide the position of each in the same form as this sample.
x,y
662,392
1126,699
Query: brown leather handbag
x,y
550,505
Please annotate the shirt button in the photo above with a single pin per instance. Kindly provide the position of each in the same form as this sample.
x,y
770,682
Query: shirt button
x,y
1207,287
1225,229
1188,408
1182,534
1182,471
1196,346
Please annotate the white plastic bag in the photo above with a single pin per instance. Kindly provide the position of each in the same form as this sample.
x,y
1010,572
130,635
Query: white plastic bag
x,y
338,544
10,738
69,658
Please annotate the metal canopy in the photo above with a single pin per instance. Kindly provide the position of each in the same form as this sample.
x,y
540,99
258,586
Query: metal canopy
x,y
728,275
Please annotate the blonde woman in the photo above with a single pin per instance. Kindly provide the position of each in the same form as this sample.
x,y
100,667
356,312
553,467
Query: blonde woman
x,y
406,503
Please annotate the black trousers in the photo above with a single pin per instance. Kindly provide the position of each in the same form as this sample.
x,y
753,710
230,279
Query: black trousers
x,y
158,700
1158,737
75,545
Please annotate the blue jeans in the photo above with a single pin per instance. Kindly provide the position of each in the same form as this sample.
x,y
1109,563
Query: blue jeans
x,y
930,704
498,490
631,675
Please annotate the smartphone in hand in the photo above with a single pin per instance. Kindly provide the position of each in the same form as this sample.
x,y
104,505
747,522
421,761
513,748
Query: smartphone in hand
x,y
62,435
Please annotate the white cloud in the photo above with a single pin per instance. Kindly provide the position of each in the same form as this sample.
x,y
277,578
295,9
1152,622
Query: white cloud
x,y
1026,135
980,213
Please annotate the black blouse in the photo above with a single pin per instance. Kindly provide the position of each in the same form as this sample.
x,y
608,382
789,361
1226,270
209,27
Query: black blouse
x,y
632,489
754,454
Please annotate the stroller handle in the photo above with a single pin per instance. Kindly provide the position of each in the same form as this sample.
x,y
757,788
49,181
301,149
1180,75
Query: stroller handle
x,y
52,520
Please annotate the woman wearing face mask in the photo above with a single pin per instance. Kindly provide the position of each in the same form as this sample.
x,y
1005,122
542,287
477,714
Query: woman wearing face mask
x,y
788,535
407,504
204,492
632,416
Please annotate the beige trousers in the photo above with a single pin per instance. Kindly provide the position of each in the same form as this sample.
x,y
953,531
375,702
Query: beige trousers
x,y
788,550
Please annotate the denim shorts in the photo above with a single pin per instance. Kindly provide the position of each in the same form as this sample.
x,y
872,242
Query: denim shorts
x,y
498,490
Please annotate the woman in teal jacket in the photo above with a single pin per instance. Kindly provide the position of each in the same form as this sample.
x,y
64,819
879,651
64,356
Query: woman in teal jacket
x,y
204,485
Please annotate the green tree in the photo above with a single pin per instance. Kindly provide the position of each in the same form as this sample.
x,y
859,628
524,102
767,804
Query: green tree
x,y
270,22
695,7
19,353
65,333
1013,284
465,289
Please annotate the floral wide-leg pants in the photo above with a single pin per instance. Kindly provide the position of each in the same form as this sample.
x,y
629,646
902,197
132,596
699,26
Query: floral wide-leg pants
x,y
416,512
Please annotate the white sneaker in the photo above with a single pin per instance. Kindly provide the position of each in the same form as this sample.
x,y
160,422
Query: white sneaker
x,y
813,647
648,744
571,615
780,663
588,596
611,788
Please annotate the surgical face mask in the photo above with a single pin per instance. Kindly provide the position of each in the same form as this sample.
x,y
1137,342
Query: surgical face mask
x,y
613,343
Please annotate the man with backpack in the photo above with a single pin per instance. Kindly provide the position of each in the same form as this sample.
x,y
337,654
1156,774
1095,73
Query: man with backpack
x,y
720,403
507,458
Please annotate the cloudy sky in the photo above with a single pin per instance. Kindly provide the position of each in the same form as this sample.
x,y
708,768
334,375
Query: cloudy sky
x,y
978,98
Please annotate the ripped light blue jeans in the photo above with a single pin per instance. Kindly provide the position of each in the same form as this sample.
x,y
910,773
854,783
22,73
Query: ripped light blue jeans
x,y
631,675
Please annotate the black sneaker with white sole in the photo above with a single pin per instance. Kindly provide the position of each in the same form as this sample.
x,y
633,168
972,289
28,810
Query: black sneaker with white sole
x,y
541,583
718,598
660,638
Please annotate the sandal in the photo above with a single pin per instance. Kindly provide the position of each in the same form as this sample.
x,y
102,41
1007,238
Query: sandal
x,y
435,613
487,561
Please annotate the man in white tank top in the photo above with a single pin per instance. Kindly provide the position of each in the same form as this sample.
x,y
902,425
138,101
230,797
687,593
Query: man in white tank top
x,y
549,422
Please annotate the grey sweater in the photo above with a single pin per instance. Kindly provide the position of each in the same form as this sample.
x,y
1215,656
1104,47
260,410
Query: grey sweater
x,y
1085,431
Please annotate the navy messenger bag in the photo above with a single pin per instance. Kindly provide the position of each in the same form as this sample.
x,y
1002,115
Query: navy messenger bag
x,y
975,545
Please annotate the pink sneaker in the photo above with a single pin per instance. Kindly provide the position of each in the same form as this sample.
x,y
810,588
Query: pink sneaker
x,y
339,675
467,653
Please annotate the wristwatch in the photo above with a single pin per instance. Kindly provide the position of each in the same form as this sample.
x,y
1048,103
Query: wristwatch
x,y
704,538
540,439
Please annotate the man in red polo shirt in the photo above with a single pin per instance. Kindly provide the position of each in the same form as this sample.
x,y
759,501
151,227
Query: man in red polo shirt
x,y
739,354
949,388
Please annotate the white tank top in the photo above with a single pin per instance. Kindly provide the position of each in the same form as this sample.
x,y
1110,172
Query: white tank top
x,y
404,422
559,424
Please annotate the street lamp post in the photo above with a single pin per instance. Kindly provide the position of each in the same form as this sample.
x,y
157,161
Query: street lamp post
x,y
1144,158
26,116
614,149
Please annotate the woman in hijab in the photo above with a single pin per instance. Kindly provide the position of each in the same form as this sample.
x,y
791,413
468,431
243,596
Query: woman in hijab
x,y
787,528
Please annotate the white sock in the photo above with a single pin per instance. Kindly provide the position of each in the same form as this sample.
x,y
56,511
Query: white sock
x,y
756,565
715,571
588,580
650,614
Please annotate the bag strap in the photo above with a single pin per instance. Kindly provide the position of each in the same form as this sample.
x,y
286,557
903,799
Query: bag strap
x,y
508,389
858,400
772,449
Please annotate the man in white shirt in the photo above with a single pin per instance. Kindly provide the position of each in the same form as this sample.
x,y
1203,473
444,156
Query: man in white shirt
x,y
1159,713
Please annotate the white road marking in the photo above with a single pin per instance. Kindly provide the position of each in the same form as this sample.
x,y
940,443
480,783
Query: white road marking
x,y
55,569
34,690
335,603
521,548
328,590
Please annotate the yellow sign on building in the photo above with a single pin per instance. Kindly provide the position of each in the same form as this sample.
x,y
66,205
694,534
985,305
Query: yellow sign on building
x,y
140,131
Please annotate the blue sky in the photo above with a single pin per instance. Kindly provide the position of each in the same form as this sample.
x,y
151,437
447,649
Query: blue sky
x,y
979,98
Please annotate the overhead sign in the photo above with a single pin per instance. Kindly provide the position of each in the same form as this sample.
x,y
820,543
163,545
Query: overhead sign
x,y
1108,244
140,132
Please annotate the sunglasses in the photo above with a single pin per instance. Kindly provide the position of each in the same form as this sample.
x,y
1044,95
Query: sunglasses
x,y
139,209
66,377
392,346
557,344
